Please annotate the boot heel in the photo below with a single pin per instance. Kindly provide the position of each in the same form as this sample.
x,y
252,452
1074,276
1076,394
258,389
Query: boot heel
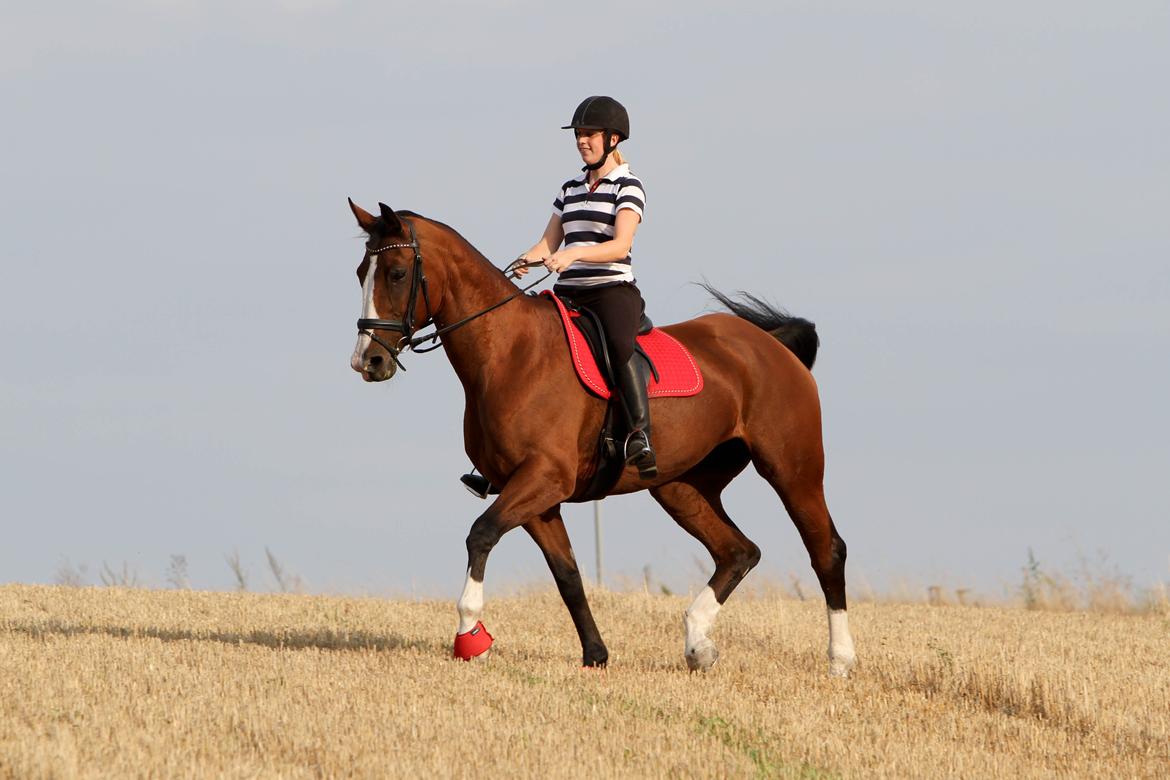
x,y
647,466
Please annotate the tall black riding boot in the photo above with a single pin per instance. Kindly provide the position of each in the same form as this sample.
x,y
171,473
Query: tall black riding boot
x,y
631,381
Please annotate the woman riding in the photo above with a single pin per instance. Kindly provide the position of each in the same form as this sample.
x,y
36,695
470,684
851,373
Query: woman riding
x,y
596,216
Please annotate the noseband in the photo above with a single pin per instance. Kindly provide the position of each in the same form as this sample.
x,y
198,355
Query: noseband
x,y
418,280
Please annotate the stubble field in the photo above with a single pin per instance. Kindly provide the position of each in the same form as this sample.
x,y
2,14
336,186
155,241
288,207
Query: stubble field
x,y
106,682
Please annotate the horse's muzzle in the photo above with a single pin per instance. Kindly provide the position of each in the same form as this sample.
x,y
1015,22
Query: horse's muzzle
x,y
378,368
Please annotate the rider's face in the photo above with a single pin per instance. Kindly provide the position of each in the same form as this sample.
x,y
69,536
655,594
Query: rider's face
x,y
590,144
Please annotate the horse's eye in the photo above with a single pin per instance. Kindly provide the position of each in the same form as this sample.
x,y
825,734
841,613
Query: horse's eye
x,y
396,274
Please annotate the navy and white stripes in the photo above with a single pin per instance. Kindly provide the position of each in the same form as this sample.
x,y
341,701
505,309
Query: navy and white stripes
x,y
588,218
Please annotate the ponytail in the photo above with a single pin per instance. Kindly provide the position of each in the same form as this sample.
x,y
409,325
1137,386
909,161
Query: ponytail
x,y
618,157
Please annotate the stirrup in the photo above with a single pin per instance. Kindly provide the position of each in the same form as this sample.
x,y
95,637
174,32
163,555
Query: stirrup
x,y
644,459
476,484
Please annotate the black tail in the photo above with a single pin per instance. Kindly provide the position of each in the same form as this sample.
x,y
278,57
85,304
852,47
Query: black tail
x,y
796,333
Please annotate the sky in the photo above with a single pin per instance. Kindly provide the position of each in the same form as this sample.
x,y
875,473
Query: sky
x,y
971,202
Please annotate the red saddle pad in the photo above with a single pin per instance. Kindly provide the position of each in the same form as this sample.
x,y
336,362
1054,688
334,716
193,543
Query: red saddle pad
x,y
678,373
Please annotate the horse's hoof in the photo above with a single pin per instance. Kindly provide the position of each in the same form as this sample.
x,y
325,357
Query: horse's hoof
x,y
840,667
702,656
595,660
473,644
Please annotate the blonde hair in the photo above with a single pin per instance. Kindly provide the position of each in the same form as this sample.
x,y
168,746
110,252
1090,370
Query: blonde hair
x,y
618,157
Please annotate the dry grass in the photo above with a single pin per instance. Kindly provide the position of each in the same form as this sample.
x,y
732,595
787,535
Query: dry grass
x,y
115,682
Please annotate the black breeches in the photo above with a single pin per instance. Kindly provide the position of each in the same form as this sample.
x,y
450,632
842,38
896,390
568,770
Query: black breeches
x,y
619,307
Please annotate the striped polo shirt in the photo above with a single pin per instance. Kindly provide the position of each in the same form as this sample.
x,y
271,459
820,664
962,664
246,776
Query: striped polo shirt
x,y
588,218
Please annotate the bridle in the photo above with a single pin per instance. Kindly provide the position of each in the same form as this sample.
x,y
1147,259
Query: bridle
x,y
418,280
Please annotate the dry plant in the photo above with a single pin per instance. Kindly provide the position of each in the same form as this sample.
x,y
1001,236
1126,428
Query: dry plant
x,y
288,583
1044,591
233,562
648,583
126,578
177,573
165,683
1157,600
797,588
1095,587
71,575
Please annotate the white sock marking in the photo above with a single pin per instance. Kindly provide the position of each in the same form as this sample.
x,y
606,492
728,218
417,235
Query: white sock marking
x,y
368,312
470,604
699,618
841,653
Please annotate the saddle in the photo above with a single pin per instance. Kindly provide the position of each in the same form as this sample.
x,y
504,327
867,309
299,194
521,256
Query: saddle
x,y
673,369
673,372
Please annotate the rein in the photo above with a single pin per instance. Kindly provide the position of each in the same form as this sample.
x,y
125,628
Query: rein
x,y
409,341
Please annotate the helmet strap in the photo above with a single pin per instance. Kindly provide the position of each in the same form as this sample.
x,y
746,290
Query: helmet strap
x,y
606,149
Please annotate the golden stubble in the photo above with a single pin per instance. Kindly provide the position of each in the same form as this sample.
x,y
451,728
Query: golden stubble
x,y
104,682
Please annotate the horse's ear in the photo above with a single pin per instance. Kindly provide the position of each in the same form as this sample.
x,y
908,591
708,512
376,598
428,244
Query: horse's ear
x,y
393,225
365,219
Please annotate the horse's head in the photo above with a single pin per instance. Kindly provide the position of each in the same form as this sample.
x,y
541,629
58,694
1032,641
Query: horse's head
x,y
393,292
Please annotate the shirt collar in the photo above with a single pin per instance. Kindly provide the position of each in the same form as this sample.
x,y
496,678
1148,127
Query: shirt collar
x,y
614,175
618,172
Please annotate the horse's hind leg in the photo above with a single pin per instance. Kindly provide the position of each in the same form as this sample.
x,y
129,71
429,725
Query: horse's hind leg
x,y
548,531
693,501
826,551
800,488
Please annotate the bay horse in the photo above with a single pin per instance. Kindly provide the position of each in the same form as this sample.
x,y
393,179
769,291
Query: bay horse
x,y
759,405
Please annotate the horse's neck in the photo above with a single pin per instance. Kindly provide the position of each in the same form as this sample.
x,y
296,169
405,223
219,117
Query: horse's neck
x,y
479,348
471,283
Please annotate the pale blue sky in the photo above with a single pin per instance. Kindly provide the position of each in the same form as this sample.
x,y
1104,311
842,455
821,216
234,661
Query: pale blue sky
x,y
972,202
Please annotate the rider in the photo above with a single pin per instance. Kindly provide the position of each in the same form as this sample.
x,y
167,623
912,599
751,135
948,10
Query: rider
x,y
596,215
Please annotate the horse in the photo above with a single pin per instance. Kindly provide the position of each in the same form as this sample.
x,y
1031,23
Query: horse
x,y
759,405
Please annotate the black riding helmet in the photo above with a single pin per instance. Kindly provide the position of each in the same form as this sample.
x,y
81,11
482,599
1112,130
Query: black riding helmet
x,y
601,112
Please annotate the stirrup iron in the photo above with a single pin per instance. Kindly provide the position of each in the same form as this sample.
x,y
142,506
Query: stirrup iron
x,y
476,484
644,458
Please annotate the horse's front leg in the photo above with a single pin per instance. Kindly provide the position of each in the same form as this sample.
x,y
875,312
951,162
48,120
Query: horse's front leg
x,y
548,531
530,492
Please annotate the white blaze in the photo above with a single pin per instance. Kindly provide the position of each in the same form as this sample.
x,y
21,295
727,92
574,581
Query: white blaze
x,y
699,618
470,604
841,654
368,312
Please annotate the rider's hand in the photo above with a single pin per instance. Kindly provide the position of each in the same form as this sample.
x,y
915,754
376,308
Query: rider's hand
x,y
518,269
561,260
